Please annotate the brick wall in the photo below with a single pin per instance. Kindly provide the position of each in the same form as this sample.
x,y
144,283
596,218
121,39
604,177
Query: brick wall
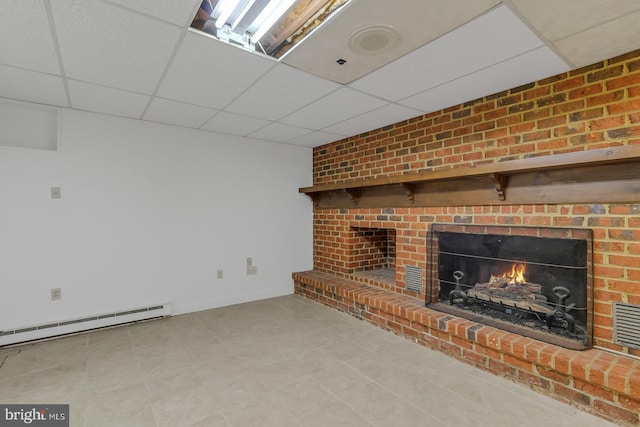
x,y
593,107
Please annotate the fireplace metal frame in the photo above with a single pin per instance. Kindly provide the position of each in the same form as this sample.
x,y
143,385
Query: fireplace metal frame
x,y
432,299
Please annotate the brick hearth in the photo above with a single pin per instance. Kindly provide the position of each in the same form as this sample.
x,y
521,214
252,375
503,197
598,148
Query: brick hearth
x,y
594,107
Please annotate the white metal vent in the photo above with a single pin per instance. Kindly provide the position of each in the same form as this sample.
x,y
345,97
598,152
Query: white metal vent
x,y
626,324
77,325
413,278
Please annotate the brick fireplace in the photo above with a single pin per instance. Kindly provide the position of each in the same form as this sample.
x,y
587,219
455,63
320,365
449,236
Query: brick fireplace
x,y
364,252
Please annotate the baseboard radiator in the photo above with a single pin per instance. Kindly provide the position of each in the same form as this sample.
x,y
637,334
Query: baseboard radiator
x,y
87,323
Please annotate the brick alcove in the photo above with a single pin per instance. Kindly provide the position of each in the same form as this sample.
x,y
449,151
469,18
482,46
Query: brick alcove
x,y
591,108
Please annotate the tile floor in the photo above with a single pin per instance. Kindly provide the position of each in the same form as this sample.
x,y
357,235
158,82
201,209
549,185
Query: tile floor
x,y
279,362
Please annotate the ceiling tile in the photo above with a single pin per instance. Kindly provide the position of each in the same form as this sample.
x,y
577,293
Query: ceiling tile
x,y
105,44
277,132
418,21
523,69
603,42
31,86
101,99
571,16
27,46
333,108
234,124
380,117
211,73
315,139
281,91
177,113
177,12
490,39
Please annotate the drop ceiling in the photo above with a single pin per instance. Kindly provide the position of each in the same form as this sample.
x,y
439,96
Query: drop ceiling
x,y
139,59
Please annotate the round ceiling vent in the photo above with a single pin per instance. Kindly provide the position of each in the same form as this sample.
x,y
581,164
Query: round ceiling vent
x,y
374,39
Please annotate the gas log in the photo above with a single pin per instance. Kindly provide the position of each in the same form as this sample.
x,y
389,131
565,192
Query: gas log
x,y
506,291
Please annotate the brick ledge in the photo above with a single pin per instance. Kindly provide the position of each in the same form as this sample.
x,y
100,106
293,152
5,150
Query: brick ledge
x,y
594,380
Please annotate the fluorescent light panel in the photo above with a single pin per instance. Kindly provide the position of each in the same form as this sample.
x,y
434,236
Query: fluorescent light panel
x,y
226,9
269,15
242,13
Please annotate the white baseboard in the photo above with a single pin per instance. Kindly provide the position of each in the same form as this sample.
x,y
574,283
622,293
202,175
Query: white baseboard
x,y
31,333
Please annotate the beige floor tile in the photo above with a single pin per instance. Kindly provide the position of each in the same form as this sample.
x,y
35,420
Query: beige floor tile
x,y
184,408
371,365
343,350
295,398
127,406
286,361
217,420
381,407
257,412
340,379
334,414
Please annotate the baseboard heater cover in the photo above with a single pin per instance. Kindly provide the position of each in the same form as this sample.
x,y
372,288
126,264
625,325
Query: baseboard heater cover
x,y
84,324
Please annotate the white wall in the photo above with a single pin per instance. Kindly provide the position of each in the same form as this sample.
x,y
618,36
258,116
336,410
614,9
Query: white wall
x,y
148,214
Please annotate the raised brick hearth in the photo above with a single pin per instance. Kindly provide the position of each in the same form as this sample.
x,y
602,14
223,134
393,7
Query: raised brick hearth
x,y
591,108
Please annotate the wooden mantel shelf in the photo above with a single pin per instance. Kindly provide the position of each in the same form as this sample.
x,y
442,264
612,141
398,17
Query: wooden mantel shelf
x,y
608,175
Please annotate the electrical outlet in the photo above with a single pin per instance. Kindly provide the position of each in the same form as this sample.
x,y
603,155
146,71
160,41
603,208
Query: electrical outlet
x,y
220,274
56,294
251,269
56,193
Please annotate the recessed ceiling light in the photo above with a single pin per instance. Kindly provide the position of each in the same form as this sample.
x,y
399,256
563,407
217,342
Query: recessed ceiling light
x,y
374,39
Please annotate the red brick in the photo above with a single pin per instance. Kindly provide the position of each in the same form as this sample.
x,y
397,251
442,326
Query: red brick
x,y
490,353
475,358
567,84
621,82
625,261
572,395
617,376
518,363
561,360
585,91
534,380
623,286
615,413
624,107
501,368
451,349
629,403
554,375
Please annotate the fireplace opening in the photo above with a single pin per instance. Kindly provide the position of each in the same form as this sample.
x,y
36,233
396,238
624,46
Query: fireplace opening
x,y
533,281
373,254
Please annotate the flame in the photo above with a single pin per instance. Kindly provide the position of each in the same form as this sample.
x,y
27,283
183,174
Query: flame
x,y
516,275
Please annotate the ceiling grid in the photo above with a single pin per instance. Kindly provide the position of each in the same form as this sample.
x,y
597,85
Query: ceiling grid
x,y
139,59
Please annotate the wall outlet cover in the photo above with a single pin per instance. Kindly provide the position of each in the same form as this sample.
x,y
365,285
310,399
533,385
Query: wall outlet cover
x,y
56,193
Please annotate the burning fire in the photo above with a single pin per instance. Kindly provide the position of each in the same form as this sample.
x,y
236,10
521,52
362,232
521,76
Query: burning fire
x,y
513,277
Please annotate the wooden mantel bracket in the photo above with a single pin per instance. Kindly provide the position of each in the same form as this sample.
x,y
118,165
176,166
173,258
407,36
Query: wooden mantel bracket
x,y
354,194
315,197
410,190
500,182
